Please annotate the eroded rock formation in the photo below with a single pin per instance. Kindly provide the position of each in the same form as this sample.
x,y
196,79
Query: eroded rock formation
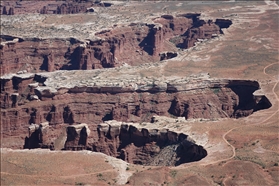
x,y
7,10
93,96
139,145
77,137
38,136
143,41
131,142
49,7
33,55
167,55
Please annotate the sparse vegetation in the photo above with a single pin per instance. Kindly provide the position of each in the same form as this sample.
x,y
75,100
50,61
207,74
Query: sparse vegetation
x,y
173,173
176,40
100,177
251,159
216,90
220,182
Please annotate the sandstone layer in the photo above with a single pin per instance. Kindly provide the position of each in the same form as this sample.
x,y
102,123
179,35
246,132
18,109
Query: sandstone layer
x,y
94,96
145,42
145,145
240,151
135,143
50,7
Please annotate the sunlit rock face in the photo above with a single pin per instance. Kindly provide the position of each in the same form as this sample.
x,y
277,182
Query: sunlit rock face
x,y
108,48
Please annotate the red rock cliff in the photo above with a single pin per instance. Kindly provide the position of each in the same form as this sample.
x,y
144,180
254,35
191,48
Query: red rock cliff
x,y
25,103
49,7
143,42
33,55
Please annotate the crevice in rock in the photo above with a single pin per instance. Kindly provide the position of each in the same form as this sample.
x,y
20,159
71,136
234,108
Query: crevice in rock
x,y
68,115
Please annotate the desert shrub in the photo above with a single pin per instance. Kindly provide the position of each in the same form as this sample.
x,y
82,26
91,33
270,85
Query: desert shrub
x,y
173,173
216,90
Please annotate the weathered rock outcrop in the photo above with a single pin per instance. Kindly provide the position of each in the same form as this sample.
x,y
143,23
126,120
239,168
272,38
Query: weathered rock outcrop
x,y
73,7
167,55
33,55
7,10
132,142
49,7
38,136
142,41
94,96
146,146
77,137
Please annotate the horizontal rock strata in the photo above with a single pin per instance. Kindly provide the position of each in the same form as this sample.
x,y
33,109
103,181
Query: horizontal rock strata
x,y
93,96
133,44
132,142
146,146
50,7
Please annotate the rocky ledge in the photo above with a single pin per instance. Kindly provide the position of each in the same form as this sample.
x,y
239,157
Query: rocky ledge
x,y
50,7
138,143
122,94
91,46
48,85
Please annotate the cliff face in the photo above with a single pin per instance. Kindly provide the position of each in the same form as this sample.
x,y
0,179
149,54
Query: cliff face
x,y
130,142
146,146
49,7
73,7
66,8
71,97
94,108
7,10
47,108
143,42
77,136
32,55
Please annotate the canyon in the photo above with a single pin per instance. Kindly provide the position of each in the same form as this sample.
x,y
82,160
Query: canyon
x,y
130,142
143,41
139,93
125,97
59,107
65,99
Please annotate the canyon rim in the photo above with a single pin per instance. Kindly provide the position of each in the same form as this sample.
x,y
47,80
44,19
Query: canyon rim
x,y
139,93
